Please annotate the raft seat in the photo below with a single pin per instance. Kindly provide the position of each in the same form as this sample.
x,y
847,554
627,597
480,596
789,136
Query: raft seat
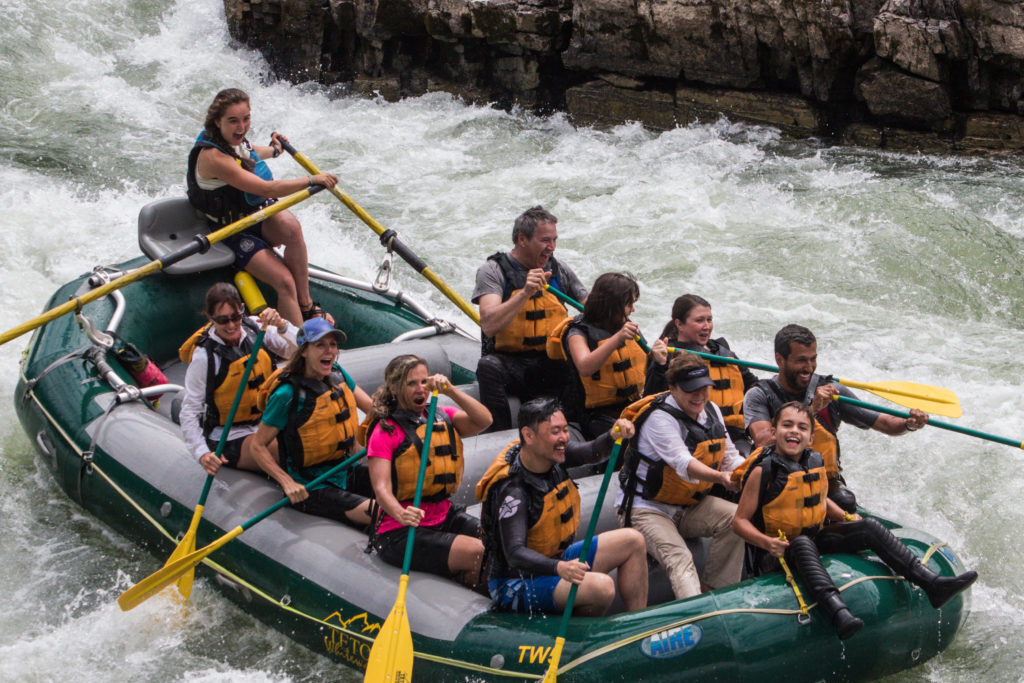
x,y
167,225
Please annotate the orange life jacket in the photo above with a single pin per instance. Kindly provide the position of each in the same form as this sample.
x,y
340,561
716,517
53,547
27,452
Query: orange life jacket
x,y
322,422
793,495
222,383
445,463
556,527
661,483
619,380
529,330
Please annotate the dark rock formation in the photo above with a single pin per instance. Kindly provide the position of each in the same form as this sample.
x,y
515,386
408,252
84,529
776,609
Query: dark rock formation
x,y
935,75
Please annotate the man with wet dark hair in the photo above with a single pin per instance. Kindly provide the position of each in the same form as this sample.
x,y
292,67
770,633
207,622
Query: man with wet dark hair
x,y
517,313
796,354
531,513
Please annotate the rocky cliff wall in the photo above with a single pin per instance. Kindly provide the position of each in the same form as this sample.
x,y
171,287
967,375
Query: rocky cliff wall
x,y
932,75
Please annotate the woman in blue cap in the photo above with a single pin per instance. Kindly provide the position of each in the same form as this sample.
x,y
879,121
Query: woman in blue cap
x,y
309,408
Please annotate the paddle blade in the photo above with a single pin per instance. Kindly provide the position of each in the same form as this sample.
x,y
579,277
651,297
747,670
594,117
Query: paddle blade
x,y
186,546
556,655
391,655
157,581
930,399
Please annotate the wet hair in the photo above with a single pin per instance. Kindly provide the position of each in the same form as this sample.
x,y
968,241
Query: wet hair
x,y
221,293
385,399
526,223
221,102
681,308
606,304
533,413
682,363
795,405
789,334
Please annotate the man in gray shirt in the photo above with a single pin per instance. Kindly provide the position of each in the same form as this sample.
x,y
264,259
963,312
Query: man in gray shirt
x,y
796,354
517,314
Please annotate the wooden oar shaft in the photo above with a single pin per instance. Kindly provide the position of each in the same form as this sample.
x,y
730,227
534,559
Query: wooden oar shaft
x,y
1016,443
389,238
199,243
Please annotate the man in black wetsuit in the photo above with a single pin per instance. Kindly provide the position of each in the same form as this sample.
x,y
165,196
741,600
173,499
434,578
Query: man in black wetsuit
x,y
530,517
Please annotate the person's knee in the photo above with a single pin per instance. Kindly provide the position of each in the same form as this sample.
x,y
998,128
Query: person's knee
x,y
634,541
286,230
599,589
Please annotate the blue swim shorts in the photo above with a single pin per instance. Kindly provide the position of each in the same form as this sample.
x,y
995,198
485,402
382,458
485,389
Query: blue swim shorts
x,y
535,594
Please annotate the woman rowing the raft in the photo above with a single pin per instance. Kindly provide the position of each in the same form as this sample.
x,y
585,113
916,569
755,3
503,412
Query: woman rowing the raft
x,y
217,354
447,540
601,345
227,180
690,329
310,412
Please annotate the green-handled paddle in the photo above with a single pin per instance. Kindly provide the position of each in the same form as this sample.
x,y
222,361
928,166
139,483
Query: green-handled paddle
x,y
187,545
556,652
169,573
389,238
930,399
391,656
1016,443
198,244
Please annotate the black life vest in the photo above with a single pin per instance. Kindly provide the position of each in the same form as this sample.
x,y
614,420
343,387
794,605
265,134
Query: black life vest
x,y
226,204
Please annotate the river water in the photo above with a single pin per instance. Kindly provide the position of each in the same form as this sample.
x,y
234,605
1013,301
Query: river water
x,y
906,267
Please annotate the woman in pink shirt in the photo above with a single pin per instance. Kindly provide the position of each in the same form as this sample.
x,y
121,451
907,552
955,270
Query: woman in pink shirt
x,y
447,540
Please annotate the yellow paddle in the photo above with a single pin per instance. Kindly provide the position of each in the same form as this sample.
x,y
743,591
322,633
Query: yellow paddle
x,y
935,400
170,572
254,300
199,244
389,238
391,656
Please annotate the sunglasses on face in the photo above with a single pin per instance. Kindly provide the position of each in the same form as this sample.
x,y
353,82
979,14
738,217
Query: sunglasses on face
x,y
225,319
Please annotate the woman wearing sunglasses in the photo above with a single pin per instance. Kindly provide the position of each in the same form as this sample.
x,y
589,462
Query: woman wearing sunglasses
x,y
217,354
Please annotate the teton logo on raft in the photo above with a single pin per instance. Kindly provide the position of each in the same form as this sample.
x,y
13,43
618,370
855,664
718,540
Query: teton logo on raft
x,y
341,642
673,642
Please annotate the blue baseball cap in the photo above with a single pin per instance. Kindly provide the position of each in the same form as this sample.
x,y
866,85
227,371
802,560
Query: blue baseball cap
x,y
315,328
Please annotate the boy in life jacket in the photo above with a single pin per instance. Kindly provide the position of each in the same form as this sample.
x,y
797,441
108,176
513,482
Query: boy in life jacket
x,y
786,490
309,411
216,355
796,354
517,314
530,516
682,450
